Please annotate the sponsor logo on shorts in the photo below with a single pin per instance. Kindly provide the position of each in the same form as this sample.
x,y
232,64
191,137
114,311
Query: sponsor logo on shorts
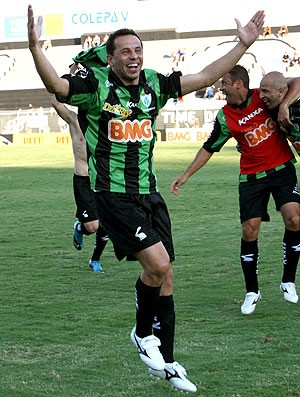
x,y
139,234
296,190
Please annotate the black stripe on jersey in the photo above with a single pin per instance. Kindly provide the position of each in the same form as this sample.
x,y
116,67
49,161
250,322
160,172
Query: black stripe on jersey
x,y
103,148
132,155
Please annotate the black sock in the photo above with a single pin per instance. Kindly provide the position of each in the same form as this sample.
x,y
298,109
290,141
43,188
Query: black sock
x,y
164,327
249,262
146,307
290,255
101,241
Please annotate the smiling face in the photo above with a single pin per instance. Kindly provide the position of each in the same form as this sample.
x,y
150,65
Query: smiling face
x,y
273,88
230,90
269,95
127,59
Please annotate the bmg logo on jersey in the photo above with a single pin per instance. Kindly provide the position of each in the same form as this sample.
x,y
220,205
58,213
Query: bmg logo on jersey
x,y
129,131
260,133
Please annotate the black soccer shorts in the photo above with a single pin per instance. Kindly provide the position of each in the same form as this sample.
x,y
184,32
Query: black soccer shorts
x,y
254,195
84,198
134,222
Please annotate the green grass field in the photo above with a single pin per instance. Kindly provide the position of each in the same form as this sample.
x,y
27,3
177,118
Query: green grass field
x,y
65,331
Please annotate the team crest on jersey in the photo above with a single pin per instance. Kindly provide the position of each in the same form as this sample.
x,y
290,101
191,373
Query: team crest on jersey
x,y
146,100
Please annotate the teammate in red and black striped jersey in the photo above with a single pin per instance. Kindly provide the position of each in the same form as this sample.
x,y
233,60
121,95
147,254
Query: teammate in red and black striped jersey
x,y
266,167
121,103
273,88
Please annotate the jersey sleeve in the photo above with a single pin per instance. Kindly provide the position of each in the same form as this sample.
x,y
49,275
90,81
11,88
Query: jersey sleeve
x,y
219,135
171,84
169,87
83,86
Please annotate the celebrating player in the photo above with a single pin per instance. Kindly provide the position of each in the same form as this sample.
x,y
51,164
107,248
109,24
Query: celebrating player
x,y
266,167
121,103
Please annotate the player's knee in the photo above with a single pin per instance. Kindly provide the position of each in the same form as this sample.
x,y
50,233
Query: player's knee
x,y
167,287
250,230
92,227
159,271
292,222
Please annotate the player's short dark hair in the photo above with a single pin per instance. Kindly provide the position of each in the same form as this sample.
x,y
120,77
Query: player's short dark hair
x,y
110,44
238,72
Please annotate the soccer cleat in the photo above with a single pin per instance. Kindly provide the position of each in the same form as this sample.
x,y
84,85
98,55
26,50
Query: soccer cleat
x,y
176,375
149,351
96,266
250,302
289,292
77,237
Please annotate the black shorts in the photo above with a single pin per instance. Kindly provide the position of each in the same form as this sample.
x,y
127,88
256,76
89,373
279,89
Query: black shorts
x,y
134,222
254,195
85,199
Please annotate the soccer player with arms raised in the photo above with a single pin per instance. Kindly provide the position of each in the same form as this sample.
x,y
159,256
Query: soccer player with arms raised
x,y
121,103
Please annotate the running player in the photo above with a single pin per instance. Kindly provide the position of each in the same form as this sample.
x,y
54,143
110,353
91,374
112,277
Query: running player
x,y
87,222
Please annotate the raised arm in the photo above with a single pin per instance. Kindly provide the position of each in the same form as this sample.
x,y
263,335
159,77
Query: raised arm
x,y
211,73
47,73
199,161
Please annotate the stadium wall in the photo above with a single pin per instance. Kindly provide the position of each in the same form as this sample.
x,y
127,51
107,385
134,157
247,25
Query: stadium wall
x,y
187,121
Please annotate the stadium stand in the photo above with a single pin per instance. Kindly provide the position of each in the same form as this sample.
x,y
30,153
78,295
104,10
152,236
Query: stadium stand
x,y
20,99
20,85
24,75
7,64
23,85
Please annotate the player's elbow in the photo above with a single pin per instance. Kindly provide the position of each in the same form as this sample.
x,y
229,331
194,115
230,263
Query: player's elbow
x,y
58,87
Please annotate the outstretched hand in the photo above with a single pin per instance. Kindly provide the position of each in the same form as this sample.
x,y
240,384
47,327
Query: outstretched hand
x,y
177,182
34,30
53,83
249,33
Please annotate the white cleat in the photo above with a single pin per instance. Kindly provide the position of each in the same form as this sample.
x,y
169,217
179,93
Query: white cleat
x,y
289,292
250,302
176,375
148,349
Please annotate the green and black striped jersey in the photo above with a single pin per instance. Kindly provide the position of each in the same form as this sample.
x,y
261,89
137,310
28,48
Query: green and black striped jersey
x,y
119,125
293,133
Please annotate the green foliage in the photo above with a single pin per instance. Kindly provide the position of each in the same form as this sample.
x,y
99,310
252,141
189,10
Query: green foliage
x,y
65,331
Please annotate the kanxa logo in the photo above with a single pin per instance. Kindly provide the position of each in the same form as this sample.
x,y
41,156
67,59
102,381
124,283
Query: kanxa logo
x,y
250,116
